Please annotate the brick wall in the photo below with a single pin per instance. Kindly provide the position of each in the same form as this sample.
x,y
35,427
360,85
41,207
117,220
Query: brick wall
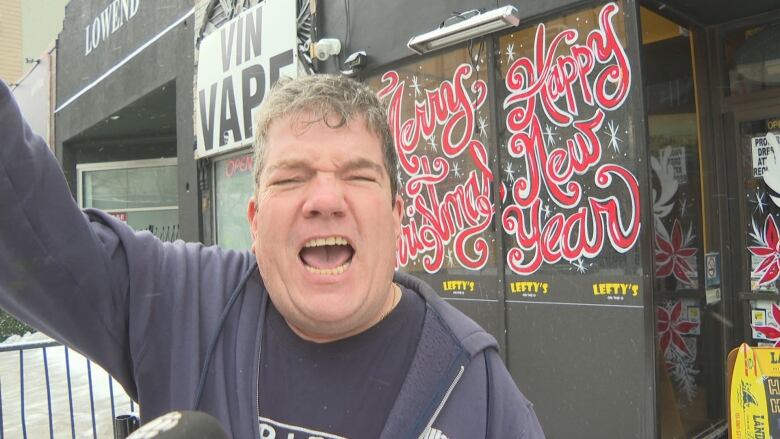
x,y
10,40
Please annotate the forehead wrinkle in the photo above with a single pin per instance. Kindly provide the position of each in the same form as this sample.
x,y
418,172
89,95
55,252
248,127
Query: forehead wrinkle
x,y
290,164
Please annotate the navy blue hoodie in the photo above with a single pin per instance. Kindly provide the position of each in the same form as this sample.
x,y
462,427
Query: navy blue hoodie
x,y
146,311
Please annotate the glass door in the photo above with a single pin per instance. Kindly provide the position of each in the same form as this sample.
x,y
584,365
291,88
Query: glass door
x,y
689,310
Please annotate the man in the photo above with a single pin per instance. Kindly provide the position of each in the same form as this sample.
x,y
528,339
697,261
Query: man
x,y
345,347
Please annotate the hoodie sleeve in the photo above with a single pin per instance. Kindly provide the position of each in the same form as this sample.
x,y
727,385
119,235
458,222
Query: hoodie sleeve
x,y
61,268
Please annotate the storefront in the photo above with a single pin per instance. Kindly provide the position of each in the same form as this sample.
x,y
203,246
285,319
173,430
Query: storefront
x,y
521,175
594,182
123,113
521,162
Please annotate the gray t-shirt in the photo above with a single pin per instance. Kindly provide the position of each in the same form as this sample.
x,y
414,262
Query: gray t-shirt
x,y
340,389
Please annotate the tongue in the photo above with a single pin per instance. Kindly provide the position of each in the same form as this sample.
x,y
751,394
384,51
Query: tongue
x,y
326,256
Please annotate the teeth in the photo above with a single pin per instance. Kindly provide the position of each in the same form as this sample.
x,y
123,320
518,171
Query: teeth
x,y
328,271
332,240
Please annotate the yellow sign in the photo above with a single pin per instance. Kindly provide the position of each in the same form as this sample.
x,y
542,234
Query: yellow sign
x,y
529,287
458,286
754,401
615,289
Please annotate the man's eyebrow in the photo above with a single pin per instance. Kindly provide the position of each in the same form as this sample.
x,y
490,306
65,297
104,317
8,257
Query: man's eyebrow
x,y
351,165
361,163
290,164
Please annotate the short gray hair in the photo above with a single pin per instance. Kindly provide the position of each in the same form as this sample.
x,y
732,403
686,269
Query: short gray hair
x,y
327,97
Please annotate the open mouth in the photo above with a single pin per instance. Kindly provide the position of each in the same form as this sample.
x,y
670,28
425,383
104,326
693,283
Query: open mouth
x,y
326,256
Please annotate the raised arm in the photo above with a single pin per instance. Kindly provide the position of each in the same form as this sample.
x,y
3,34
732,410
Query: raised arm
x,y
60,268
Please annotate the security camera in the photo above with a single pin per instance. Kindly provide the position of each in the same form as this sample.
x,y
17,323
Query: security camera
x,y
356,61
325,48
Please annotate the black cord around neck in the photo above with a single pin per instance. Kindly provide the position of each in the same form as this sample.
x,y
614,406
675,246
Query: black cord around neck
x,y
213,342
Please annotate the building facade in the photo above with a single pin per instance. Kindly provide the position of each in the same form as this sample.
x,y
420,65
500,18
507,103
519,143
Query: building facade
x,y
123,113
593,182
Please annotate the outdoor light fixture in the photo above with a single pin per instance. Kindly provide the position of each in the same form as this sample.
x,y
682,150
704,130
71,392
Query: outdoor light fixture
x,y
473,27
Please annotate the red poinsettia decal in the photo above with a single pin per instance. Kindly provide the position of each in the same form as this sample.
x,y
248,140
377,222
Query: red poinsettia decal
x,y
771,332
671,329
769,249
670,256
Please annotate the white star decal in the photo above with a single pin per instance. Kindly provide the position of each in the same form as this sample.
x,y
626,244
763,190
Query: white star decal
x,y
456,170
760,201
683,206
612,130
546,209
415,86
483,127
510,174
548,133
449,258
510,52
432,143
580,266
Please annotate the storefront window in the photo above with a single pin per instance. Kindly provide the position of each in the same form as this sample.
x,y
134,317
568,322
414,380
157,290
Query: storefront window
x,y
570,212
440,118
233,187
690,367
752,59
570,196
141,193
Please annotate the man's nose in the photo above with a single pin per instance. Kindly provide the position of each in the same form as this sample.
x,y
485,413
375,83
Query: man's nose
x,y
324,197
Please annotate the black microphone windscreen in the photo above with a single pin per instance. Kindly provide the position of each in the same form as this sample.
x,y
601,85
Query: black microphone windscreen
x,y
181,425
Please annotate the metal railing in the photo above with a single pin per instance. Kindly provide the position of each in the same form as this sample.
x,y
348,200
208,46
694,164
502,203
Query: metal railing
x,y
48,390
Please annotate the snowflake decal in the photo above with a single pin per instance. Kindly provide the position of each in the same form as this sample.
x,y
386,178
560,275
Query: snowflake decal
x,y
671,256
768,248
612,132
771,332
510,52
415,86
510,174
671,329
579,266
760,204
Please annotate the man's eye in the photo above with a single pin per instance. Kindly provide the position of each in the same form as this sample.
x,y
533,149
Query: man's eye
x,y
285,181
361,177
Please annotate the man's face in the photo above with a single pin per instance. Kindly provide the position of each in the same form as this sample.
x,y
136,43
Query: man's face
x,y
325,228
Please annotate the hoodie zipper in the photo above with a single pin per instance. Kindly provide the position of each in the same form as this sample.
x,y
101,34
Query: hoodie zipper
x,y
441,404
258,357
257,385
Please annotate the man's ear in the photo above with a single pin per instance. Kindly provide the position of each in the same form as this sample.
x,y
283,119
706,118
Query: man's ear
x,y
398,215
251,216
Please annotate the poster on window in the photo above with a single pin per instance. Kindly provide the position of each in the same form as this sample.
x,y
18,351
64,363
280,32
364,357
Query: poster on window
x,y
762,148
439,115
569,193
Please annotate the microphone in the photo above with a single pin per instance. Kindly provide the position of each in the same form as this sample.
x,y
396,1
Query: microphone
x,y
181,425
